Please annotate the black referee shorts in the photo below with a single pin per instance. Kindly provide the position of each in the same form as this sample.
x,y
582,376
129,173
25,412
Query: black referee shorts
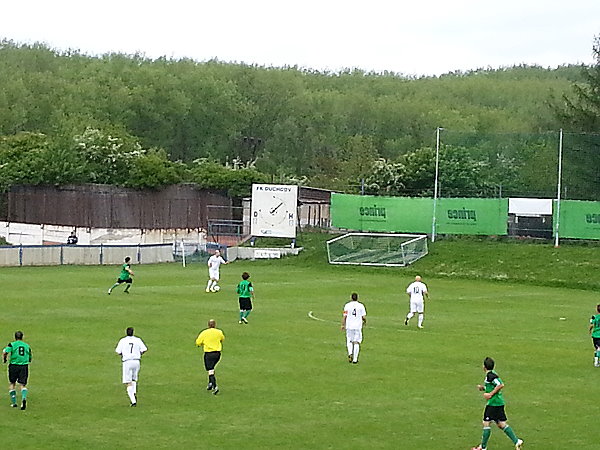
x,y
18,373
211,359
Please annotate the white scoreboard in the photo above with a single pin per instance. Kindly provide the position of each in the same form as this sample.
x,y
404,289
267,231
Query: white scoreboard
x,y
274,210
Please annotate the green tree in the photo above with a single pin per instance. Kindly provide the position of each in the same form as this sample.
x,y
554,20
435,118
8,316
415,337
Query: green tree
x,y
108,156
237,182
305,119
33,158
581,159
153,169
385,178
583,111
357,157
460,175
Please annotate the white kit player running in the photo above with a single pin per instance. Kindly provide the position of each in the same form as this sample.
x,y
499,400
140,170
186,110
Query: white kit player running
x,y
131,349
416,291
355,316
214,262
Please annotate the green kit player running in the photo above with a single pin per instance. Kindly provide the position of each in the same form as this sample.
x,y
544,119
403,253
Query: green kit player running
x,y
246,295
494,409
126,276
595,332
18,368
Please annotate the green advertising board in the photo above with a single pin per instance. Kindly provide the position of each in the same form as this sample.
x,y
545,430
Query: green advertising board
x,y
478,216
385,214
414,215
578,219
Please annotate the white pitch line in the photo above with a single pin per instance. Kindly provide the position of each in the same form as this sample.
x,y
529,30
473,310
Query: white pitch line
x,y
500,296
310,314
541,339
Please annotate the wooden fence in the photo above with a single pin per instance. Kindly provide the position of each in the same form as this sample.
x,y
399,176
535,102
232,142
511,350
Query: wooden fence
x,y
102,206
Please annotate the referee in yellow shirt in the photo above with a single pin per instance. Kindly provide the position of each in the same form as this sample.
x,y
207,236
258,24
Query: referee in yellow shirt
x,y
211,340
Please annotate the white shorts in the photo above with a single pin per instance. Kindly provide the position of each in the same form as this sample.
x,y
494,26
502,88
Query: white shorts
x,y
213,274
416,306
354,336
131,369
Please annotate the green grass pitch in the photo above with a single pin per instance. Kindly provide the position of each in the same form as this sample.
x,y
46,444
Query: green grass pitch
x,y
284,378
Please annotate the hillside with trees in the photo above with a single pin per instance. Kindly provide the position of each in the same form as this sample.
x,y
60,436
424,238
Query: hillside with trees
x,y
127,120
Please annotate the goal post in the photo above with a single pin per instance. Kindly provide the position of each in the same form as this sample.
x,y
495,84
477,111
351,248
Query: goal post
x,y
377,249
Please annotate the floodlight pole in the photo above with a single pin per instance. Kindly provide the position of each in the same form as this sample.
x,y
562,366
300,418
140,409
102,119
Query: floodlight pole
x,y
435,184
557,222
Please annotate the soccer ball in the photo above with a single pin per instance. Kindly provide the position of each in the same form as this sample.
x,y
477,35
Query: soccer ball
x,y
216,288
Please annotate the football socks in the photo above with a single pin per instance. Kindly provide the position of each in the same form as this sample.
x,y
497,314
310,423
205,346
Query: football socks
x,y
356,349
511,434
131,394
487,431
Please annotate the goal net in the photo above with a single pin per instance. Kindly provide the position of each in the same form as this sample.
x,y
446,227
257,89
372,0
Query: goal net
x,y
190,252
376,249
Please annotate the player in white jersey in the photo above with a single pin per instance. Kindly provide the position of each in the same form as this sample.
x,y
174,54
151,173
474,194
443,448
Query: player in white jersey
x,y
131,349
355,316
214,262
416,291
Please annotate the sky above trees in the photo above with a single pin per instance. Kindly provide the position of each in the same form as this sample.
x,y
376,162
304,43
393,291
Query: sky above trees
x,y
429,37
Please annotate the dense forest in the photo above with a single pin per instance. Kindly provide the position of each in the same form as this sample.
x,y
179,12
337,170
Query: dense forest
x,y
66,117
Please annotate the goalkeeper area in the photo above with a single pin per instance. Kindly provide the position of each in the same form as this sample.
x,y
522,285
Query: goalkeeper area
x,y
377,249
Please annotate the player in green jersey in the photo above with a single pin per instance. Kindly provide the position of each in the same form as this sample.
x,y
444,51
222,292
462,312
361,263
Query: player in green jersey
x,y
18,368
126,276
494,409
595,332
245,292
